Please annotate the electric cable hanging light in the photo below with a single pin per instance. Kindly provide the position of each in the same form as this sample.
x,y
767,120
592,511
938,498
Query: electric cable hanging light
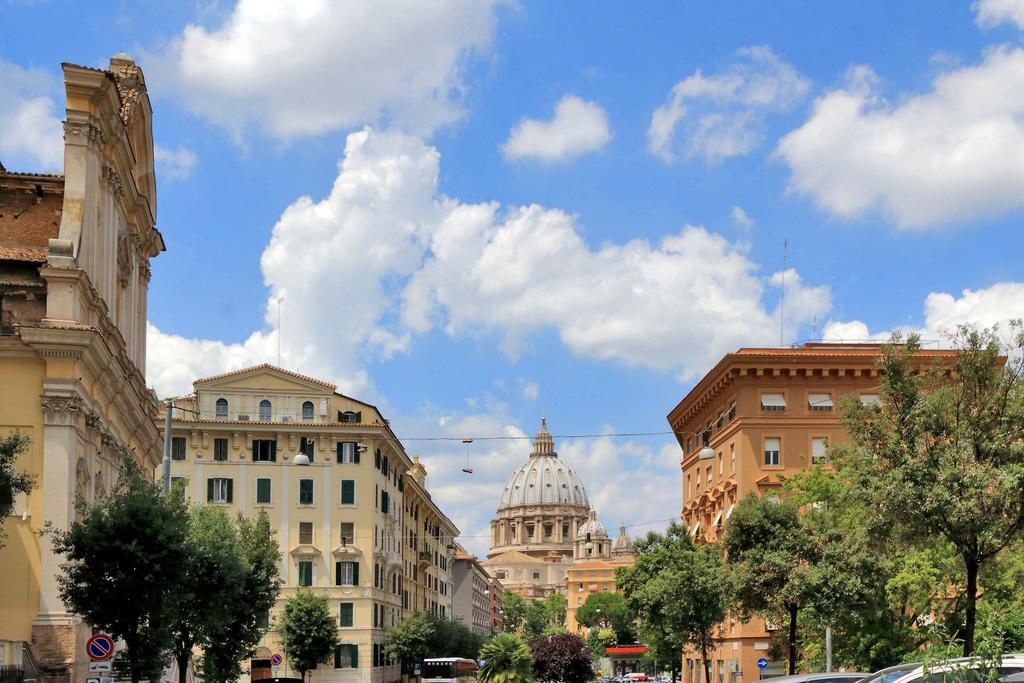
x,y
467,469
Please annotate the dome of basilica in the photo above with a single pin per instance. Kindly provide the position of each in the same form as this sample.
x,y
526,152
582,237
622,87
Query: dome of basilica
x,y
543,478
591,529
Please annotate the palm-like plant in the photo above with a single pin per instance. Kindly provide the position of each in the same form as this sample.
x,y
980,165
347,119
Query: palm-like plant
x,y
506,660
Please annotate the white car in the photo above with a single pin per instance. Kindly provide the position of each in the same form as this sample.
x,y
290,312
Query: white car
x,y
966,670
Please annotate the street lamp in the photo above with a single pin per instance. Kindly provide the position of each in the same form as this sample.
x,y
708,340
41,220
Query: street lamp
x,y
301,459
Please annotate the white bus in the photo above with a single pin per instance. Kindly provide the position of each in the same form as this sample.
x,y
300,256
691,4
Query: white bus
x,y
448,670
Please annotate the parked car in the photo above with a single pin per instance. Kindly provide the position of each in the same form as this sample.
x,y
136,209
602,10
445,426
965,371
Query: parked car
x,y
964,670
832,677
890,674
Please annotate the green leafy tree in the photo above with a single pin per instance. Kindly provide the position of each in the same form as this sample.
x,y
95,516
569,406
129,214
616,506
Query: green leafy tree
x,y
563,658
12,482
211,585
452,639
513,607
126,555
601,638
507,659
308,631
409,641
556,608
941,456
536,620
607,610
680,593
248,618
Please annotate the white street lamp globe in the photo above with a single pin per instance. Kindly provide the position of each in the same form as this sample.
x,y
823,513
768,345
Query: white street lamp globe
x,y
706,453
301,459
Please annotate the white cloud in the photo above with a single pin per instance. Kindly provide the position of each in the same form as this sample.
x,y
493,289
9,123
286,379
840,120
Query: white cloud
x,y
577,128
174,164
313,67
531,390
722,115
954,153
994,12
31,134
741,219
995,305
384,256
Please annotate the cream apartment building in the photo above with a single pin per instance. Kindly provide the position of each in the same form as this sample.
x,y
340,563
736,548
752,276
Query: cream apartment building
x,y
355,523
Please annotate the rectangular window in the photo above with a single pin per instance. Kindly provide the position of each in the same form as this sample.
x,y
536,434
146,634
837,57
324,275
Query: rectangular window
x,y
346,573
305,573
772,451
263,487
773,402
732,458
536,575
307,447
264,450
346,616
305,491
348,454
870,399
721,465
385,502
218,490
709,475
305,533
819,403
175,480
177,448
348,491
350,416
220,449
346,656
818,455
348,533
732,411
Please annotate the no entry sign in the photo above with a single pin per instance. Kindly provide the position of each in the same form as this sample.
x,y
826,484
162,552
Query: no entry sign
x,y
100,648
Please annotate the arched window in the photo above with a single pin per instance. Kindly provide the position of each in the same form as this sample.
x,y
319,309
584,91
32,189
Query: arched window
x,y
265,411
222,407
307,410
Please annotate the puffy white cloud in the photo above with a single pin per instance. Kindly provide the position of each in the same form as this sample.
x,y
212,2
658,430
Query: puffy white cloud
x,y
951,154
577,128
995,305
312,67
722,115
174,164
384,256
994,12
31,134
741,219
531,390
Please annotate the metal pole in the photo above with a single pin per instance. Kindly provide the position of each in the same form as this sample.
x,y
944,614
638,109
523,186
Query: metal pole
x,y
828,649
167,447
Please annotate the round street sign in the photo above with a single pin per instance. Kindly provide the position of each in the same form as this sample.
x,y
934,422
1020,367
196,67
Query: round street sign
x,y
762,663
100,647
276,659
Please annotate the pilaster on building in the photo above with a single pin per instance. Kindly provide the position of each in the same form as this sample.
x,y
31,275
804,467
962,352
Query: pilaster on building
x,y
74,277
759,416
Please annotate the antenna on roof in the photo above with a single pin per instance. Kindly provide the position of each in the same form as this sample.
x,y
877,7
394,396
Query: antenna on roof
x,y
782,300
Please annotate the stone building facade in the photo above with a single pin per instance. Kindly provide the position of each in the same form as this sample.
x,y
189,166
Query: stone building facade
x,y
74,276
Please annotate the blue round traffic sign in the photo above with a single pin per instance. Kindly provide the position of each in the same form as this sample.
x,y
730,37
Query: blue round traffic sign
x,y
100,647
762,663
276,659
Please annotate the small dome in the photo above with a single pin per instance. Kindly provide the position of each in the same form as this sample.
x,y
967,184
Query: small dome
x,y
543,478
622,543
592,527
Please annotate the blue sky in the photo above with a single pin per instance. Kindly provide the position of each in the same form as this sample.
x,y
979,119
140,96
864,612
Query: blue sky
x,y
480,212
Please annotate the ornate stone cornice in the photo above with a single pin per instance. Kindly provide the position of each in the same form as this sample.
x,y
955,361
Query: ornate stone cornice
x,y
83,132
61,410
111,177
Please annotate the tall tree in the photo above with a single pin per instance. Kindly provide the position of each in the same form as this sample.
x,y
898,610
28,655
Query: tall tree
x,y
513,608
210,586
607,610
556,607
248,618
409,640
562,658
507,659
943,454
452,639
536,620
308,631
12,482
125,560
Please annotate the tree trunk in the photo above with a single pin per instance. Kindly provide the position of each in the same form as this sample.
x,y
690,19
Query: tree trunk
x,y
970,614
792,639
182,659
707,662
133,666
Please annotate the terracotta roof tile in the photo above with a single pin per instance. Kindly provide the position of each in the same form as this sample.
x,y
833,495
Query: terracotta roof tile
x,y
22,254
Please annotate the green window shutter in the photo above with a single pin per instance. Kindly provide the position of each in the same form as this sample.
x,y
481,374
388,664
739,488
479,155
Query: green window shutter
x,y
273,451
355,573
231,485
376,458
339,448
346,614
337,656
348,492
355,454
209,490
385,500
254,451
353,651
337,573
